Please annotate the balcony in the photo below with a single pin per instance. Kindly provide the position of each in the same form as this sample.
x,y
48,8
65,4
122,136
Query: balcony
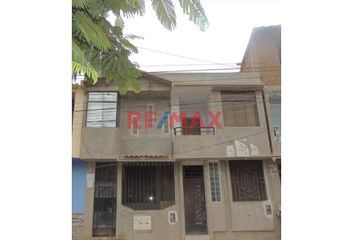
x,y
194,131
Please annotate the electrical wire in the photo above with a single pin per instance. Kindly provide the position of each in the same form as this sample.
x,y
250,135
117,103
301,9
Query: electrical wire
x,y
181,56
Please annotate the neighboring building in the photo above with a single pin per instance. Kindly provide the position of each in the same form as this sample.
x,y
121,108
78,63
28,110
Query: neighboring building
x,y
263,55
211,175
79,167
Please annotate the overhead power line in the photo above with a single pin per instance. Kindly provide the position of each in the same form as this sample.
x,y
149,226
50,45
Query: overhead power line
x,y
258,100
178,65
181,56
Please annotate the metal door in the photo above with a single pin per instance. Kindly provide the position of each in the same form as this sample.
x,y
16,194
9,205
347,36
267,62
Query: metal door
x,y
194,200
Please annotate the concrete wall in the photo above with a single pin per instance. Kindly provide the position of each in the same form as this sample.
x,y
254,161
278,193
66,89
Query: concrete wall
x,y
78,116
216,146
119,142
226,219
272,92
161,229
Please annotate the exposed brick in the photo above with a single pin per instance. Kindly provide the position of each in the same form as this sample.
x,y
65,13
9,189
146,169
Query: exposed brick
x,y
262,54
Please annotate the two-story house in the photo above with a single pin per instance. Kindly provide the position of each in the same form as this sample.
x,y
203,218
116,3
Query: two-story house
x,y
189,157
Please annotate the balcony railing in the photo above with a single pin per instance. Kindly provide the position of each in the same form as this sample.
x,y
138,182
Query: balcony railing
x,y
194,131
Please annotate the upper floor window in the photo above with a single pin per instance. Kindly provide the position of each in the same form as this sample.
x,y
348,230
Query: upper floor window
x,y
102,109
247,180
148,185
239,109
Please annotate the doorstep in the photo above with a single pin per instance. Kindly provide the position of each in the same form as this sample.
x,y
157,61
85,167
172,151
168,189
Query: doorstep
x,y
197,237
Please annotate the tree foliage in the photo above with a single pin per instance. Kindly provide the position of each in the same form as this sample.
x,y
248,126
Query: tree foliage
x,y
100,49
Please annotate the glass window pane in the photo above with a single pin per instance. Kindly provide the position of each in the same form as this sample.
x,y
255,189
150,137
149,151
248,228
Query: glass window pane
x,y
94,124
102,109
94,115
110,96
95,96
214,182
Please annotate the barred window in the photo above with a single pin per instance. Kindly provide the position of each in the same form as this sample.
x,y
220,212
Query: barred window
x,y
247,180
102,109
148,185
214,182
105,200
239,109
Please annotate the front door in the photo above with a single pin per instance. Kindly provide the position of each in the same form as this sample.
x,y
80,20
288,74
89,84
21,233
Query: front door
x,y
194,200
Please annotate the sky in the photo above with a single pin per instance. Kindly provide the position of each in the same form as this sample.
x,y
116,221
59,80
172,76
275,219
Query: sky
x,y
224,42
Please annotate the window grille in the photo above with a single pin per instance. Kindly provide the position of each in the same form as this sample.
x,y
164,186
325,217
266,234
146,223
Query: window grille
x,y
214,182
105,200
247,180
148,185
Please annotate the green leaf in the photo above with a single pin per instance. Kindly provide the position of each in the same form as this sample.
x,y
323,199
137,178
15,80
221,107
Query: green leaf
x,y
92,32
196,13
119,22
77,67
133,36
80,63
81,3
128,45
165,12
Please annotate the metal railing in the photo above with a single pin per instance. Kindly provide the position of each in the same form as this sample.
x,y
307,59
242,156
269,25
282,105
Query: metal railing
x,y
194,131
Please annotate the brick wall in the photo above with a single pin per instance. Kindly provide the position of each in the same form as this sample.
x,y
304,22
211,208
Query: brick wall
x,y
263,54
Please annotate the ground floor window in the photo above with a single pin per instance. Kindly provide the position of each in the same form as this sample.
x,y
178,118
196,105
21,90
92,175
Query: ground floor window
x,y
105,200
148,185
214,181
247,180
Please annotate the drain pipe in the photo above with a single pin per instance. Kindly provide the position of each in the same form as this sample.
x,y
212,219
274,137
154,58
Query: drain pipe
x,y
267,122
